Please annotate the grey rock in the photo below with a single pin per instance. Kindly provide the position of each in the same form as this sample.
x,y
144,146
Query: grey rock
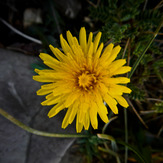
x,y
18,97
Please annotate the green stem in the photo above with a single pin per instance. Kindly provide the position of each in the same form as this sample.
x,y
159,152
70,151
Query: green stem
x,y
126,134
37,132
129,76
110,152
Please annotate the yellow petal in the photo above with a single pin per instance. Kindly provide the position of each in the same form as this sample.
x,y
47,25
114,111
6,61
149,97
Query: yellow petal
x,y
49,96
51,77
71,98
52,65
55,110
101,109
44,71
103,89
48,86
102,113
71,63
98,52
107,51
93,115
117,80
70,38
79,126
80,114
44,91
82,39
112,91
51,101
96,41
86,121
122,101
57,53
47,58
66,48
114,54
43,79
116,65
115,89
79,55
89,55
111,103
61,90
66,118
74,111
89,40
122,70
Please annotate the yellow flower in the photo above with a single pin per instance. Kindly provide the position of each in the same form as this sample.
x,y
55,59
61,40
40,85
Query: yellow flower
x,y
82,78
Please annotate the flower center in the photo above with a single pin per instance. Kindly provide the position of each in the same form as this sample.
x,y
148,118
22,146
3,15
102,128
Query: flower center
x,y
86,80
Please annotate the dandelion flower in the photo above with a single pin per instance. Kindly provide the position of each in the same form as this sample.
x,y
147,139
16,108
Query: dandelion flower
x,y
82,78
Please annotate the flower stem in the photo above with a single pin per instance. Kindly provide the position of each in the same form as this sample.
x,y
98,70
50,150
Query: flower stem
x,y
37,132
126,134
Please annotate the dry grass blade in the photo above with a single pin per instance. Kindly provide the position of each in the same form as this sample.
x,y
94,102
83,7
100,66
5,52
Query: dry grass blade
x,y
137,114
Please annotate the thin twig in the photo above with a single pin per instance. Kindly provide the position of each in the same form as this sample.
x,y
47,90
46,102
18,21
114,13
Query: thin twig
x,y
160,4
160,41
91,3
20,33
154,99
160,131
155,118
137,114
150,32
55,17
126,46
145,5
147,112
128,54
98,3
108,42
37,132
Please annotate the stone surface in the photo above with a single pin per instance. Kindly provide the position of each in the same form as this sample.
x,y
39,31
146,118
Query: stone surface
x,y
18,97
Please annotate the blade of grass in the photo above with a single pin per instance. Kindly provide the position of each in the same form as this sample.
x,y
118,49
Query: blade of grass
x,y
21,33
126,133
137,114
133,150
148,45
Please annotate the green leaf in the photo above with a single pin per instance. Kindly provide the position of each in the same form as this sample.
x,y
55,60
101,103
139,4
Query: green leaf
x,y
133,150
105,136
109,137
